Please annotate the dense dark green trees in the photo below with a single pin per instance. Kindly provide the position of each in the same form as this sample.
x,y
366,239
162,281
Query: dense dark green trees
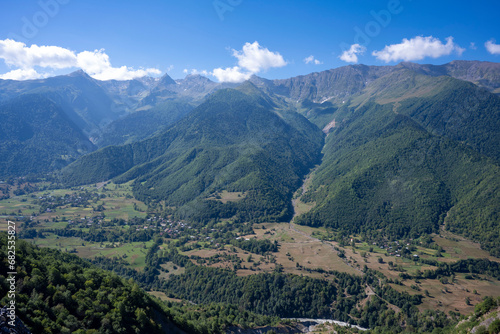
x,y
60,293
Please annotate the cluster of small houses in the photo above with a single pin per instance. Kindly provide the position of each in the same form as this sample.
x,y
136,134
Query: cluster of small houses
x,y
396,249
66,199
88,220
165,225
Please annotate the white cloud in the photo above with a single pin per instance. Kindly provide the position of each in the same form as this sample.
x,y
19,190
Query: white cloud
x,y
472,46
231,74
252,59
95,63
19,55
492,48
255,58
311,59
21,74
418,48
194,71
98,66
351,55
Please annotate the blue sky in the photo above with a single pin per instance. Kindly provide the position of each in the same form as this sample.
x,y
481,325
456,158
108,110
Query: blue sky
x,y
233,39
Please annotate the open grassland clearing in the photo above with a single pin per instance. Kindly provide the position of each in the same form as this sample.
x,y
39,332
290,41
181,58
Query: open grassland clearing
x,y
163,297
311,255
377,259
300,207
391,262
3,225
298,249
134,252
169,268
249,263
461,248
228,196
461,295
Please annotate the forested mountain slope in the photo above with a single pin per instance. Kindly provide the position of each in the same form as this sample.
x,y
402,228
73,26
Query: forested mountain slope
x,y
233,142
405,160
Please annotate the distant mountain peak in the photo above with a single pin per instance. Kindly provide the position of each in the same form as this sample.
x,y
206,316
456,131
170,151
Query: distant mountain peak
x,y
195,78
256,80
79,73
166,80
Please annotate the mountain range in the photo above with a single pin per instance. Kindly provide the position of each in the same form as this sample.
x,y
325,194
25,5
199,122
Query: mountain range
x,y
399,150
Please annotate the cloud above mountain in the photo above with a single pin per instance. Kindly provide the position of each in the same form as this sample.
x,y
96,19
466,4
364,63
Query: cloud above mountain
x,y
195,71
312,60
97,65
351,55
27,62
418,48
252,59
22,74
17,54
492,48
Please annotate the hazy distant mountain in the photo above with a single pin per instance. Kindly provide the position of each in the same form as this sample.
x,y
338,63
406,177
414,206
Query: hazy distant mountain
x,y
103,112
36,136
482,73
197,86
127,94
92,104
193,88
154,106
336,84
143,124
86,103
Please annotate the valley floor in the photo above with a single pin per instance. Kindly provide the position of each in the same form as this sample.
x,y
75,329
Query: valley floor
x,y
44,217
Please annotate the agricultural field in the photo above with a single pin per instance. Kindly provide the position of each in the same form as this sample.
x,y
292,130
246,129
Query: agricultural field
x,y
297,253
116,202
448,295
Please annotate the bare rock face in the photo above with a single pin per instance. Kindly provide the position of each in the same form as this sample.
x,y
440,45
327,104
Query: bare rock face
x,y
6,323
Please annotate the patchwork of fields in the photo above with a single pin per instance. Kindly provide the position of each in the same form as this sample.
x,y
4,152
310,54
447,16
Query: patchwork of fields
x,y
302,250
